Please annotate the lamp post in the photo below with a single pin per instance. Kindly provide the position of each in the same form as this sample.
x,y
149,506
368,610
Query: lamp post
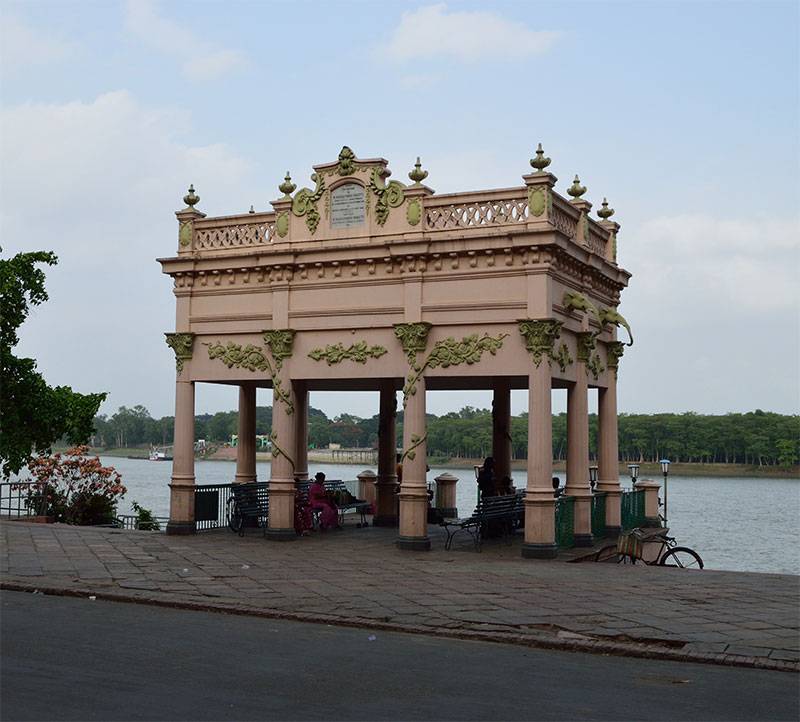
x,y
592,477
665,471
633,469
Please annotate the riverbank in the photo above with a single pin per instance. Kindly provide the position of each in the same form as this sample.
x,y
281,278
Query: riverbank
x,y
645,468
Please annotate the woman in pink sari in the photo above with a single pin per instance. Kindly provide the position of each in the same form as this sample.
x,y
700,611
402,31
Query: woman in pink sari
x,y
320,501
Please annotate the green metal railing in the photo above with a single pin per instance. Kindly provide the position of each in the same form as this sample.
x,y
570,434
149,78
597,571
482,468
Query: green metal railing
x,y
599,514
632,509
565,521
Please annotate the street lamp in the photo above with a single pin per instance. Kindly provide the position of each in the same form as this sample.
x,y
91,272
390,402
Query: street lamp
x,y
592,476
665,472
633,469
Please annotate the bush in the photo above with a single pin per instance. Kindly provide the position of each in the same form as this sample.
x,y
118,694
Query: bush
x,y
145,521
74,488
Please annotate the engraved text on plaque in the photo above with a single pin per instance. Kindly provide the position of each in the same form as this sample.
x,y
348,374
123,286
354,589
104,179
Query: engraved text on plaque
x,y
347,206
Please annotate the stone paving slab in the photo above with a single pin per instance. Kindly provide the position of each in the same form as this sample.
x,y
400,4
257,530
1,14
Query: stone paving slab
x,y
357,577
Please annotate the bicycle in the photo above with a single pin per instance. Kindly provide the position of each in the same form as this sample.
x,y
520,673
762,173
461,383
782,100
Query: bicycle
x,y
652,546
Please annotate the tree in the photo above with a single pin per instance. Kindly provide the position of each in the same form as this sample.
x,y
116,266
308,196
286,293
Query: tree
x,y
34,415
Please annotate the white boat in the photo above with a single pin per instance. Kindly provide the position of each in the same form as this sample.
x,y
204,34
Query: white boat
x,y
156,455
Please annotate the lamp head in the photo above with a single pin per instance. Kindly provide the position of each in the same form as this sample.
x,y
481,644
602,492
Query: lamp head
x,y
665,466
634,471
593,474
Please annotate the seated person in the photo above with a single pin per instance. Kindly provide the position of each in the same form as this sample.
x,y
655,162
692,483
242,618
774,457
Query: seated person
x,y
486,478
321,501
557,491
505,487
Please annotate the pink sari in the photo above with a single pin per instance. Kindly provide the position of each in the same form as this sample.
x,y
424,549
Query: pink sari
x,y
319,500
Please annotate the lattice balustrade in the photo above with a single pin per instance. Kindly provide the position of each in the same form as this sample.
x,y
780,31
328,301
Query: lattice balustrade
x,y
236,236
563,222
477,214
597,242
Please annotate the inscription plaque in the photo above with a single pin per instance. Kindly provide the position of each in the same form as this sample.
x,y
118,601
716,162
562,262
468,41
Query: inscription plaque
x,y
348,206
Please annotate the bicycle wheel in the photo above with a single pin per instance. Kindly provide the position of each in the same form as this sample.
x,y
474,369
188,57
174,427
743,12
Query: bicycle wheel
x,y
235,520
681,557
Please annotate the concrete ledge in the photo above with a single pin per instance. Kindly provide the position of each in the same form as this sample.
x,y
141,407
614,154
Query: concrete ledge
x,y
175,528
539,551
415,543
281,534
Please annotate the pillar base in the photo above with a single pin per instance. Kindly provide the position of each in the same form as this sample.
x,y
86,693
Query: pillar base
x,y
281,534
539,551
448,512
415,543
650,521
583,540
175,528
613,531
385,520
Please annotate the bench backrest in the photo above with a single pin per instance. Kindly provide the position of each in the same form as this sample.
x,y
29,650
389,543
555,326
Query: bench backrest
x,y
252,497
491,507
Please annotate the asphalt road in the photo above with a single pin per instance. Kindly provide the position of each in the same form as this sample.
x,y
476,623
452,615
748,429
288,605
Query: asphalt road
x,y
78,659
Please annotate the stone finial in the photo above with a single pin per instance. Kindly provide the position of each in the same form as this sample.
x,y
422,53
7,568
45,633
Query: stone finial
x,y
287,187
540,162
418,175
191,199
605,212
252,210
576,190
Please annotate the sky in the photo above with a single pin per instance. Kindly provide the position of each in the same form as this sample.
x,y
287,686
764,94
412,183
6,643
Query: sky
x,y
685,115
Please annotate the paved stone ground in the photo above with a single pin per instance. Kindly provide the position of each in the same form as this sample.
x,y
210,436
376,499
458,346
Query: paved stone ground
x,y
357,577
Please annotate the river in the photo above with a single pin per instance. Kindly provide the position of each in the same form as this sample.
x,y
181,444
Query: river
x,y
740,524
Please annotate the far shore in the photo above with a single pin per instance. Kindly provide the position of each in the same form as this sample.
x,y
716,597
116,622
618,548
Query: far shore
x,y
645,468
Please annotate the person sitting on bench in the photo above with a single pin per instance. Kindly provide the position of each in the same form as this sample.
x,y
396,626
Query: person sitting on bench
x,y
486,478
321,501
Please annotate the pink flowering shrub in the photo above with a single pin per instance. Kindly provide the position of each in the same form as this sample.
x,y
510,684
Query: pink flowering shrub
x,y
74,488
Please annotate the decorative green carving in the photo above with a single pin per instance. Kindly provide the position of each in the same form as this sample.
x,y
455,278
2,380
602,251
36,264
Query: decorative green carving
x,y
287,187
540,337
185,233
450,352
562,358
191,199
595,365
610,316
537,200
346,165
587,340
573,301
279,342
413,337
183,346
614,351
251,358
418,175
305,202
358,352
277,450
605,212
414,212
584,220
282,224
416,440
389,196
576,190
539,163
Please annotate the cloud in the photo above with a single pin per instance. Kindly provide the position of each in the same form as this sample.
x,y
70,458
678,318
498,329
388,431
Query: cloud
x,y
199,60
701,264
21,44
431,31
97,182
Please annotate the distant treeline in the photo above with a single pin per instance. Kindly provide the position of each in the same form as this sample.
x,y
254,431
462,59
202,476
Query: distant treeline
x,y
756,438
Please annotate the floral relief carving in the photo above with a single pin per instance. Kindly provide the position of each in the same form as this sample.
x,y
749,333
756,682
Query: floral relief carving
x,y
614,351
562,358
182,345
587,340
595,365
305,200
389,196
336,353
540,337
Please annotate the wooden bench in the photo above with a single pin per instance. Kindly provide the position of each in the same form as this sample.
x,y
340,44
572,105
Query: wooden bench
x,y
502,510
248,502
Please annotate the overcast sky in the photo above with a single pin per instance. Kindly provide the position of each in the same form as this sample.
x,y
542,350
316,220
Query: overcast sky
x,y
684,114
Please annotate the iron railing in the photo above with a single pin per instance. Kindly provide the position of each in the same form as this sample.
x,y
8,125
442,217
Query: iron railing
x,y
14,499
632,509
565,521
131,521
599,514
211,506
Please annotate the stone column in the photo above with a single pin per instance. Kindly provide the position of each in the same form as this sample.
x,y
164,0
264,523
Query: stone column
x,y
366,486
246,441
301,430
540,521
414,490
385,497
650,489
578,454
181,498
608,453
446,495
284,445
501,428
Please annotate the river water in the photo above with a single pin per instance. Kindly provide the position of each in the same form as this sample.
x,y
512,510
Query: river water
x,y
741,524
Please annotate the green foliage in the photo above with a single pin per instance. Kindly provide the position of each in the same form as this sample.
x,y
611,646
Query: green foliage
x,y
145,521
35,415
